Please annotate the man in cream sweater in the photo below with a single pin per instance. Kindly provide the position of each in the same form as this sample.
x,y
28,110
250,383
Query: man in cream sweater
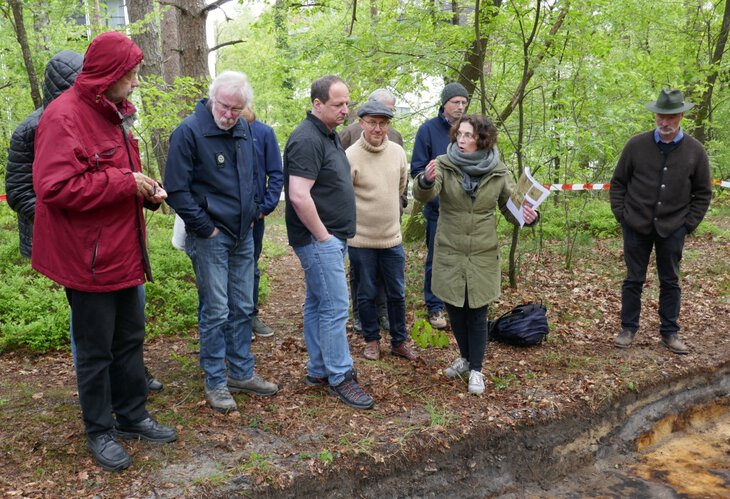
x,y
379,174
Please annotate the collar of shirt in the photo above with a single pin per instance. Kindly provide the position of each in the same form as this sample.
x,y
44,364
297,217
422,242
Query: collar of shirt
x,y
658,138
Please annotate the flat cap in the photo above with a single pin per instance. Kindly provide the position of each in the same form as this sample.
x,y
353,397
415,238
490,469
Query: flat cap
x,y
375,108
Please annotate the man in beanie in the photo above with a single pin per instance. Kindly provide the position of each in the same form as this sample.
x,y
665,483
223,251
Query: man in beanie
x,y
660,191
432,139
89,236
379,175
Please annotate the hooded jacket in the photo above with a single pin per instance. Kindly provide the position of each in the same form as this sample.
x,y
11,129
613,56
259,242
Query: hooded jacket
x,y
89,232
60,74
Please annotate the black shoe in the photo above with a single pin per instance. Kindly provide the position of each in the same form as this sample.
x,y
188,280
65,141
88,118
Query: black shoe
x,y
153,384
357,325
148,429
314,381
350,393
108,452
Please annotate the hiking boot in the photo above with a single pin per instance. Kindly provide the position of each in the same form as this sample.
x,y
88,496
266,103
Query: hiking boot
x,y
261,329
384,322
405,351
476,383
350,393
437,319
372,350
624,338
108,453
220,399
147,429
315,381
675,345
153,384
255,385
458,368
357,325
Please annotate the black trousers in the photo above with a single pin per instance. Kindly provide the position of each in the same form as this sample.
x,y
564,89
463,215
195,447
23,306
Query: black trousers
x,y
637,250
108,330
469,326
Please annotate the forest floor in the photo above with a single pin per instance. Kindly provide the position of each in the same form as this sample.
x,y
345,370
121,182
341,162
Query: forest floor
x,y
303,437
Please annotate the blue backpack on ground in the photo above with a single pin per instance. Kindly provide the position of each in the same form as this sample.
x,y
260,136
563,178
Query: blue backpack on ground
x,y
524,325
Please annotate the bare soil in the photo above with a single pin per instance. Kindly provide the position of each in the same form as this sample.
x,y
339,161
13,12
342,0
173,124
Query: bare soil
x,y
425,435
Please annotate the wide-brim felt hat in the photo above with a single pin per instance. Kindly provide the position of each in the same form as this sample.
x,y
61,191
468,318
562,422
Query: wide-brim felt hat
x,y
669,102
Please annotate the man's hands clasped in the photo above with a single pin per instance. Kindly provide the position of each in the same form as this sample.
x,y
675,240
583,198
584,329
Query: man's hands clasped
x,y
149,188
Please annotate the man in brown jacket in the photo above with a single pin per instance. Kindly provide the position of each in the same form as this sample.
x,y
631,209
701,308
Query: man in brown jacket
x,y
660,191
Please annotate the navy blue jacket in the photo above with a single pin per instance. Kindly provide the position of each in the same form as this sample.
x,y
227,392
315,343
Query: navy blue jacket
x,y
209,175
432,139
269,174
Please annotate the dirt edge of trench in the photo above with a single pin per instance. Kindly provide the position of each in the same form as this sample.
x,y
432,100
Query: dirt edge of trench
x,y
492,462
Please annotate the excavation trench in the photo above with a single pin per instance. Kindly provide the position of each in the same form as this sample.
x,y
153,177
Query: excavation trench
x,y
672,440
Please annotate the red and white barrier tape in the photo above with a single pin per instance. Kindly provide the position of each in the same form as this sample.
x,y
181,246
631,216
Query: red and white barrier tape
x,y
606,186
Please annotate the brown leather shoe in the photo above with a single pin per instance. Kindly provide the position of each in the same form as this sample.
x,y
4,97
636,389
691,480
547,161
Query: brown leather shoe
x,y
675,345
372,350
403,350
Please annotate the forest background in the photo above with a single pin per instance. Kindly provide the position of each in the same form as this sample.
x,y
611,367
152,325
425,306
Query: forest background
x,y
565,81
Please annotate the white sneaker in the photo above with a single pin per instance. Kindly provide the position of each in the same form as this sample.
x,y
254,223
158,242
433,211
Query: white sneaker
x,y
476,383
458,368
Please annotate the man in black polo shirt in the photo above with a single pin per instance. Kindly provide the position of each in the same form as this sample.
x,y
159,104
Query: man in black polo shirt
x,y
320,217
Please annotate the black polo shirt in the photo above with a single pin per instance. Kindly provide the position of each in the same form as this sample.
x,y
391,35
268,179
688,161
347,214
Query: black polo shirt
x,y
315,153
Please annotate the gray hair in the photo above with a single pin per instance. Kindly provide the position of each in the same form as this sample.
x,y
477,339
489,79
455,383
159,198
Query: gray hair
x,y
232,81
382,95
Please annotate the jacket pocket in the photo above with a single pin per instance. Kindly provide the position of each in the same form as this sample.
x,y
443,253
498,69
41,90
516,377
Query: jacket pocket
x,y
106,155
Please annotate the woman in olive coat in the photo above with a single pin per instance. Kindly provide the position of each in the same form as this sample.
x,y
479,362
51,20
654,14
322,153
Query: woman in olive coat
x,y
471,182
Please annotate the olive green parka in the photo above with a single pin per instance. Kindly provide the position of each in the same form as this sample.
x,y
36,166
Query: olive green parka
x,y
466,254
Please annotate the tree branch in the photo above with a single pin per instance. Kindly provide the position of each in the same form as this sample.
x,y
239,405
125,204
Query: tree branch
x,y
225,44
354,17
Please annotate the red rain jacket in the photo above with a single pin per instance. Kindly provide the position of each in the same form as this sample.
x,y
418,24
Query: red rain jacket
x,y
89,232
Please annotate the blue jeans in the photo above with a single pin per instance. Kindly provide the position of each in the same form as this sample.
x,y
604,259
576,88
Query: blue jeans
x,y
372,265
433,303
325,309
258,245
637,250
223,268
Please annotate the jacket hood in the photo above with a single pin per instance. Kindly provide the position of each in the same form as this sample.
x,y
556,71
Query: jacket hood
x,y
109,57
61,72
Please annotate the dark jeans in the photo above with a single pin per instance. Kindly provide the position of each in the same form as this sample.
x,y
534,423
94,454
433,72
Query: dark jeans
x,y
108,330
381,301
469,326
433,303
637,250
258,244
390,265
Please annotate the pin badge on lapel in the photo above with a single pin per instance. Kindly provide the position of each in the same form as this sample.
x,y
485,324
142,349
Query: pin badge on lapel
x,y
220,159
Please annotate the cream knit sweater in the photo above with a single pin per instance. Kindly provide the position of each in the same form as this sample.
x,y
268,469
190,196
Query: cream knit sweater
x,y
379,176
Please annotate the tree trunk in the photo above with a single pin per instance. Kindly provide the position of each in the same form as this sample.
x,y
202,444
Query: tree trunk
x,y
192,39
22,36
150,42
704,110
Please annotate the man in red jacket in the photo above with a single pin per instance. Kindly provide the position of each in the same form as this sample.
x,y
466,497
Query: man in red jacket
x,y
89,236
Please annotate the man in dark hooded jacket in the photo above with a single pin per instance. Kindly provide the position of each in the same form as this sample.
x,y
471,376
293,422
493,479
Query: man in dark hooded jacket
x,y
89,236
60,74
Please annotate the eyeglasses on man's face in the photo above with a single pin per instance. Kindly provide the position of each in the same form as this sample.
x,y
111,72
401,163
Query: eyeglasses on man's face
x,y
376,124
227,108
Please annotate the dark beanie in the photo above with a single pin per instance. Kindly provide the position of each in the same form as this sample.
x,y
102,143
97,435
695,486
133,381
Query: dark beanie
x,y
453,90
